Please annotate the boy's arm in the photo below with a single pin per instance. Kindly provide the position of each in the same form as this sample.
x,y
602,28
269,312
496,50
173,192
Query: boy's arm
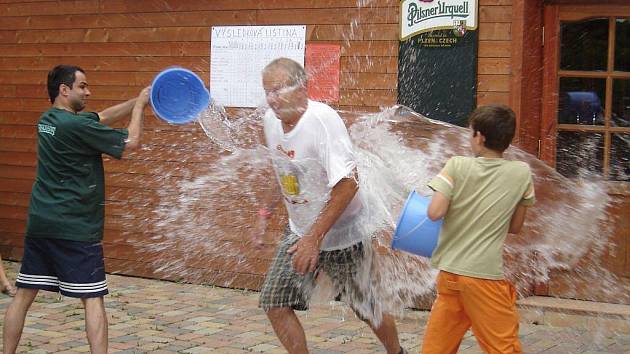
x,y
442,185
438,206
518,218
529,198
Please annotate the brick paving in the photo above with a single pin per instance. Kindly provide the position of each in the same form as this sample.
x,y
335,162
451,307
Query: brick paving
x,y
152,316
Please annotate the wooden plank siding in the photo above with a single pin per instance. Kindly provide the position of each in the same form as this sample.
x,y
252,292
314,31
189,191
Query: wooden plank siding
x,y
122,45
495,51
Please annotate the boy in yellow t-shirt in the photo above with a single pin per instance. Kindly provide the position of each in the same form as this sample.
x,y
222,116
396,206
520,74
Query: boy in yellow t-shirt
x,y
481,199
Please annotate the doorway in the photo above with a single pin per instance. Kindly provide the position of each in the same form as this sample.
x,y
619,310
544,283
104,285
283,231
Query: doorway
x,y
585,125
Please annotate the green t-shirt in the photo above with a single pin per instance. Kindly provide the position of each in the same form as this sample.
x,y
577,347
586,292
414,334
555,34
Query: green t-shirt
x,y
68,197
483,195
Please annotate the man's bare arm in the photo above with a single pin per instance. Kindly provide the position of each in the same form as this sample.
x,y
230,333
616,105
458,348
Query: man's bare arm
x,y
115,113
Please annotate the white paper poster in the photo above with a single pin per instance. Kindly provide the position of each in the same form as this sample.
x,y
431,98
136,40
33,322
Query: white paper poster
x,y
239,53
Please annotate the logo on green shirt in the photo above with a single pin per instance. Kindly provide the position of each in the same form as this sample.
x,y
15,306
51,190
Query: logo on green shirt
x,y
48,129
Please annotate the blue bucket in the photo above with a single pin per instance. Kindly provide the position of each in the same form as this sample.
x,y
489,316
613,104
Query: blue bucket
x,y
415,232
178,95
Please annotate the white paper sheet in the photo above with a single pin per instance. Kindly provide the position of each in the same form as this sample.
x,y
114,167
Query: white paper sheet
x,y
239,53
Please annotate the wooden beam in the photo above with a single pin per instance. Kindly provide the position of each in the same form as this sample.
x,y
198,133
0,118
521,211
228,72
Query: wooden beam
x,y
526,75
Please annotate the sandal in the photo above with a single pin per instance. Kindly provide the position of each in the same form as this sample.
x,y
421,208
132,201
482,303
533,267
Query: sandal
x,y
9,290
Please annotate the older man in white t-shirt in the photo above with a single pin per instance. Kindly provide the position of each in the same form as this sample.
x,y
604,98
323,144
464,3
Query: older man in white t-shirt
x,y
315,167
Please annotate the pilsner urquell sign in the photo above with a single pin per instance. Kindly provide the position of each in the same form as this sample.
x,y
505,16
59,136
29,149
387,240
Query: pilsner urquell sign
x,y
419,16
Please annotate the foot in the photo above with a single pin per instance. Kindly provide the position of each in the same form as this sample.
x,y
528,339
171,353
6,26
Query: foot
x,y
8,289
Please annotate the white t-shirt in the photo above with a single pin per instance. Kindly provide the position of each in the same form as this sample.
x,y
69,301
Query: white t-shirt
x,y
310,160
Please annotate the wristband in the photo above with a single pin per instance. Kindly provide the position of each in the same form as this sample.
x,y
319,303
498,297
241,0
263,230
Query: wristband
x,y
264,212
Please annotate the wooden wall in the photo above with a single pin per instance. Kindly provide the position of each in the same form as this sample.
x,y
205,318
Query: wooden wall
x,y
122,44
495,48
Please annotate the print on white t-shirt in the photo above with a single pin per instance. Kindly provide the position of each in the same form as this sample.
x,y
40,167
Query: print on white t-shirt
x,y
310,160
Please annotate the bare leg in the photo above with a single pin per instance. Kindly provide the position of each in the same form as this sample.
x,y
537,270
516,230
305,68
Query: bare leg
x,y
288,329
96,324
5,285
14,319
387,334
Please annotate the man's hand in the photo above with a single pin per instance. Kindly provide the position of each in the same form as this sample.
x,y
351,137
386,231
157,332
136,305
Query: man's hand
x,y
143,97
258,232
305,254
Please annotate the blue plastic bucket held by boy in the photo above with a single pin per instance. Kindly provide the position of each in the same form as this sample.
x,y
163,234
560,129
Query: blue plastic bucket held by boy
x,y
178,95
415,232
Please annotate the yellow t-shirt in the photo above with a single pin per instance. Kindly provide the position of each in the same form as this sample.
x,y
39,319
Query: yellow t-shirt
x,y
483,194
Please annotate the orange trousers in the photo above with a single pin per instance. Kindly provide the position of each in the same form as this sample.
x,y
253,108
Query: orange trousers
x,y
488,306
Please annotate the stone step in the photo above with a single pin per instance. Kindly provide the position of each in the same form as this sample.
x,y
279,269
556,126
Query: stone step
x,y
581,314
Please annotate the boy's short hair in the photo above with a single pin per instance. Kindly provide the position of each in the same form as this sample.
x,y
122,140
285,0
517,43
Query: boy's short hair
x,y
497,123
61,74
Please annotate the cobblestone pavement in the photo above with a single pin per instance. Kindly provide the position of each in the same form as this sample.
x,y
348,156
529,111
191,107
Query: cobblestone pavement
x,y
151,316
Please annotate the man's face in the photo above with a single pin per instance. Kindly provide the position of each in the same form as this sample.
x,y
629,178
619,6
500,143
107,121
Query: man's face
x,y
282,97
79,92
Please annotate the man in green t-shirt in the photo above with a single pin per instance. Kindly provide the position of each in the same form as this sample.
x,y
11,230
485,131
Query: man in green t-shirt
x,y
62,249
482,199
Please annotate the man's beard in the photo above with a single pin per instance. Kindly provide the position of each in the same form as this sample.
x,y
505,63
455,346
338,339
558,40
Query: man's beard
x,y
77,106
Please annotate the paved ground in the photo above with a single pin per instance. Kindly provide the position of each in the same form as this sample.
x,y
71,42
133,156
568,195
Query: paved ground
x,y
164,317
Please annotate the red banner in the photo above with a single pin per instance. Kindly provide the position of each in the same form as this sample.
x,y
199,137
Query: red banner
x,y
322,67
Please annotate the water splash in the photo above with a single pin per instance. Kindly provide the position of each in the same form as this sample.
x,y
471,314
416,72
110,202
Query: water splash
x,y
397,151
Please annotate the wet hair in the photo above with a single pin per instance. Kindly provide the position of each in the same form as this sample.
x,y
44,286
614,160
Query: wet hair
x,y
497,123
61,74
295,72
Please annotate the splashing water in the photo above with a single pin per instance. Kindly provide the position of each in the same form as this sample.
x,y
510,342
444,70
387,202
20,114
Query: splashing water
x,y
567,223
230,134
397,151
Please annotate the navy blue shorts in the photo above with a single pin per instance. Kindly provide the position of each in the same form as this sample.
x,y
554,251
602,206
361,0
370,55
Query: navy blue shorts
x,y
72,268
